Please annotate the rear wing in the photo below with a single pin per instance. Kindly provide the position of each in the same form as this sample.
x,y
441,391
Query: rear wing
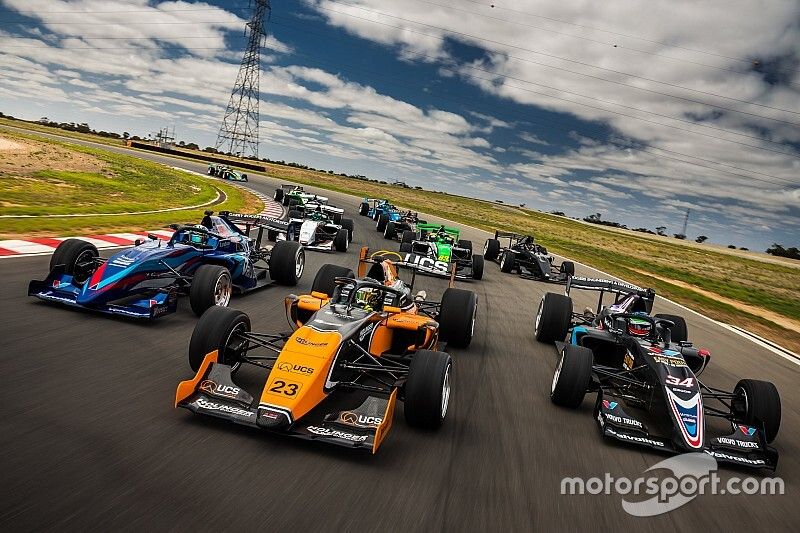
x,y
255,221
510,235
410,261
428,228
290,186
620,288
325,208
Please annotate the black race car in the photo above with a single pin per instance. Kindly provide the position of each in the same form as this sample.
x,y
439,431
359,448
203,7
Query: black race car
x,y
644,372
528,259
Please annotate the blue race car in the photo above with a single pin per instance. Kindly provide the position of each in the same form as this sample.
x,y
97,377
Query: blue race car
x,y
209,261
374,208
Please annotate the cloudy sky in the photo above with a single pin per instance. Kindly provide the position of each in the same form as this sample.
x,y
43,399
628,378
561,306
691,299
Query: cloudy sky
x,y
636,110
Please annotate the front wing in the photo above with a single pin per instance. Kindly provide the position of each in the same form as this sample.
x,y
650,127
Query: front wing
x,y
354,420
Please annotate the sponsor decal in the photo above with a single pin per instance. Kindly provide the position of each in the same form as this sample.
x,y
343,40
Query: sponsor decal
x,y
212,387
686,382
735,458
632,438
122,261
737,442
689,414
427,264
354,419
609,405
336,433
213,406
624,420
670,361
272,415
628,361
747,430
305,342
366,331
296,369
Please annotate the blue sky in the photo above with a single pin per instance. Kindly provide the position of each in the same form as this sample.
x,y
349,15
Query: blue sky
x,y
636,111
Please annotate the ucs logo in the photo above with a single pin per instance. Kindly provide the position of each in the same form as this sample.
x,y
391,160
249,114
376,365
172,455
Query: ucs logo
x,y
220,390
354,419
295,369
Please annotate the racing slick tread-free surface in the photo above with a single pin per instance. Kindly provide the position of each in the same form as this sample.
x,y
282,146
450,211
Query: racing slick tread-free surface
x,y
763,405
680,332
204,281
68,252
573,379
556,312
325,278
213,332
424,389
456,318
283,262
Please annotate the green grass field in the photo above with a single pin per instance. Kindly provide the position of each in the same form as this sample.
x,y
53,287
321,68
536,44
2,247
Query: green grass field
x,y
112,183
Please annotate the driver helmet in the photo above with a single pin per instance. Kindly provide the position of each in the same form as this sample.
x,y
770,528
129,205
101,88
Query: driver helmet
x,y
367,298
639,327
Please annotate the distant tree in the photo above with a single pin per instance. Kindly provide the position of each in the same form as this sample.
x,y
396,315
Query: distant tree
x,y
662,230
499,201
680,236
418,188
181,143
44,120
745,249
645,230
522,205
126,135
192,146
210,149
701,239
558,213
779,251
732,247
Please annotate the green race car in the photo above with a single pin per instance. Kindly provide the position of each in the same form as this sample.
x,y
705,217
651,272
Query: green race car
x,y
434,247
225,172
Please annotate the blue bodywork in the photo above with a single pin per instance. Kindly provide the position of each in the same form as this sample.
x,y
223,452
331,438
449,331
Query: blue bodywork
x,y
144,281
379,207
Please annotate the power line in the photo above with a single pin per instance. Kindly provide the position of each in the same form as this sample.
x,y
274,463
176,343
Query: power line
x,y
564,59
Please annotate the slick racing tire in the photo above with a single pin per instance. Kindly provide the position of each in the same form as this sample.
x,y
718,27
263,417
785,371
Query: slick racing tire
x,y
363,209
408,237
216,330
568,268
337,218
383,220
244,177
211,285
758,402
491,249
572,376
553,317
294,213
349,225
389,231
278,195
679,332
477,266
210,171
427,389
463,243
78,258
285,200
287,262
457,317
341,240
507,262
406,247
325,280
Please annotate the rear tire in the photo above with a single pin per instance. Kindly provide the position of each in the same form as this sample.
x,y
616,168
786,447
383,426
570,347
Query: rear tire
x,y
285,200
341,240
325,280
553,317
278,195
572,376
363,209
427,389
211,286
349,225
457,317
214,331
678,333
287,262
406,247
491,249
477,266
408,237
507,262
463,243
389,232
78,257
761,405
383,220
568,268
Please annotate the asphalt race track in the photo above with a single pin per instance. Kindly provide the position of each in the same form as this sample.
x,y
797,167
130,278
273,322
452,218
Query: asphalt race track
x,y
90,440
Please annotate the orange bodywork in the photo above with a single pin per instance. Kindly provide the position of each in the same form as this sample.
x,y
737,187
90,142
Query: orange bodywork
x,y
187,388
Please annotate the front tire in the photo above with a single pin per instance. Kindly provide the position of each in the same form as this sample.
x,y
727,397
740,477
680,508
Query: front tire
x,y
383,220
491,249
758,403
572,376
406,247
408,237
507,262
278,197
341,240
427,389
477,267
553,317
463,243
457,317
287,261
568,269
389,232
363,209
349,225
325,280
216,330
211,286
78,257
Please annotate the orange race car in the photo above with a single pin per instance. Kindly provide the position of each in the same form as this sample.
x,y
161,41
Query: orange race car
x,y
367,335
